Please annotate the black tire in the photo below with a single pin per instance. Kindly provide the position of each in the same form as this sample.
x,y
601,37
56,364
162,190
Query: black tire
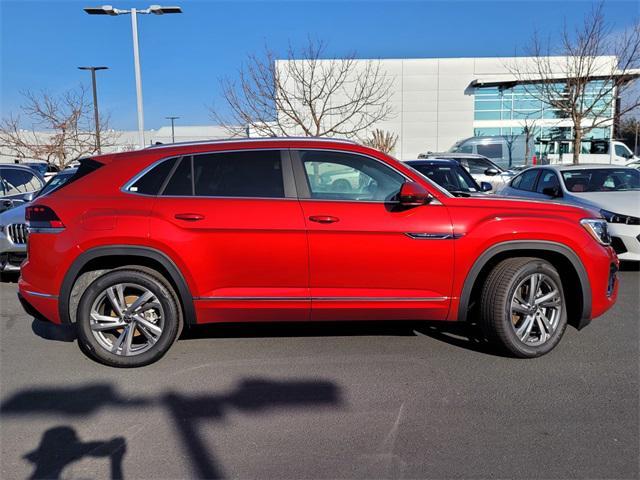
x,y
165,295
496,316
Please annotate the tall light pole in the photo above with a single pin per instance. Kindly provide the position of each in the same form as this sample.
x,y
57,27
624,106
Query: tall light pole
x,y
95,102
156,10
173,133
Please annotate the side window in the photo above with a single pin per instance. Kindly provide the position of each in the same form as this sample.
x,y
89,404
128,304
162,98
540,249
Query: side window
x,y
548,179
150,182
252,173
180,183
490,150
16,181
477,166
621,151
526,180
465,149
345,176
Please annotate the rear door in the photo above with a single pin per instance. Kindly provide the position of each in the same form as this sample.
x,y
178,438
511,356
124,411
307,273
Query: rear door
x,y
236,225
369,258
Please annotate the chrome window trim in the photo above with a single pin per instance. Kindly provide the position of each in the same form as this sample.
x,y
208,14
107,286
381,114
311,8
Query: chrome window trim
x,y
126,186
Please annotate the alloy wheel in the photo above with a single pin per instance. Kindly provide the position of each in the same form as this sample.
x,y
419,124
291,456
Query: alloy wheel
x,y
126,319
536,307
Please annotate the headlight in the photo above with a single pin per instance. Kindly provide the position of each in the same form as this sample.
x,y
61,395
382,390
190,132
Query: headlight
x,y
598,229
620,218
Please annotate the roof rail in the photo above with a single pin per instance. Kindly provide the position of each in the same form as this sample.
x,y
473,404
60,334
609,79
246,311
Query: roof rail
x,y
252,139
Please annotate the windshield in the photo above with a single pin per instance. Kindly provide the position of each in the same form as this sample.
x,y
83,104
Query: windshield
x,y
55,182
451,177
601,180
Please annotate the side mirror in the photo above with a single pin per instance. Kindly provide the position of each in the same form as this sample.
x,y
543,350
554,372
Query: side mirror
x,y
552,191
491,172
412,194
28,197
485,186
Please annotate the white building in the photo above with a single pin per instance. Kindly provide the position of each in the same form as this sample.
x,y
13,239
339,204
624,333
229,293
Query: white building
x,y
128,139
438,101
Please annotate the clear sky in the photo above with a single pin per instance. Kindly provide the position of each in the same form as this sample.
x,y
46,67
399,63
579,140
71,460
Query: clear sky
x,y
184,56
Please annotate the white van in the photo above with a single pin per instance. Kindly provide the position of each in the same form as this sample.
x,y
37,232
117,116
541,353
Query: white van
x,y
593,151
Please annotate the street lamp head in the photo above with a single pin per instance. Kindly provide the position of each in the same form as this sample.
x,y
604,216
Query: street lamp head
x,y
159,10
103,10
93,68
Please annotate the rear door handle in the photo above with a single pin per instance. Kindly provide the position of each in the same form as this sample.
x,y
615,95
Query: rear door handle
x,y
189,217
323,219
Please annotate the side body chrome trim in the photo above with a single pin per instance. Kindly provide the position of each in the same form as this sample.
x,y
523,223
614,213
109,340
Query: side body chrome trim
x,y
42,295
434,236
45,230
322,299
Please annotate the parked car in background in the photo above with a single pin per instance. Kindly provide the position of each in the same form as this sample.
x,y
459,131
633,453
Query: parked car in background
x,y
504,150
46,170
599,151
13,228
450,175
613,191
481,168
235,231
635,164
18,184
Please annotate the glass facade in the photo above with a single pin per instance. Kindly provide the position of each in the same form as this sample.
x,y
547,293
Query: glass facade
x,y
515,103
542,132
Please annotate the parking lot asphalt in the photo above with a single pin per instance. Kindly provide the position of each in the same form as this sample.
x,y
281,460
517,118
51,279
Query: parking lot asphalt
x,y
351,400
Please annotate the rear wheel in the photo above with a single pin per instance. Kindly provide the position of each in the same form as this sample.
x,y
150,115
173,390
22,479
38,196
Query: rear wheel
x,y
523,306
128,318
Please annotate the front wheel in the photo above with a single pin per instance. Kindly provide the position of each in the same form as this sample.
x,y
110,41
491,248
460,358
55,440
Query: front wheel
x,y
127,318
523,306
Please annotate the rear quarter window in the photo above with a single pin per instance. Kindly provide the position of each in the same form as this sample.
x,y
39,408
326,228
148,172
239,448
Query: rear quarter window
x,y
151,182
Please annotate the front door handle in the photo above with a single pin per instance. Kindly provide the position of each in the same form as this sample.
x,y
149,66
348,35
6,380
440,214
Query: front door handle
x,y
323,219
189,217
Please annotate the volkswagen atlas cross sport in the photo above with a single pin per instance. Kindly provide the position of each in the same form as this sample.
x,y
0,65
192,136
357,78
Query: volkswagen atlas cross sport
x,y
138,244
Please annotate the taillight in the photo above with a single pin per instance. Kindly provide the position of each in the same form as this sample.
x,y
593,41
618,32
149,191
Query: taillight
x,y
534,160
40,217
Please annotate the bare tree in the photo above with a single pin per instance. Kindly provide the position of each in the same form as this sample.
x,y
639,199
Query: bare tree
x,y
597,69
510,140
305,94
381,140
529,131
61,128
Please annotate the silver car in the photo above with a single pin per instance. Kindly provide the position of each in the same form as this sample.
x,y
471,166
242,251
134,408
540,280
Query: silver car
x,y
612,190
13,227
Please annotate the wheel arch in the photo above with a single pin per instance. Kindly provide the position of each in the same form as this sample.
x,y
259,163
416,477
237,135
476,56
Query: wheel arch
x,y
575,281
112,257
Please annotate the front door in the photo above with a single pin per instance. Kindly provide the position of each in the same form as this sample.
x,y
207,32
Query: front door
x,y
369,258
238,229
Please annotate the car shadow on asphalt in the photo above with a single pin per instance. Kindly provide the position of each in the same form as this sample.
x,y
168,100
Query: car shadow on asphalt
x,y
464,335
60,446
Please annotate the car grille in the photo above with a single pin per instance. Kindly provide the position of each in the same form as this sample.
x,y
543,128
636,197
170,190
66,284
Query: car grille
x,y
18,233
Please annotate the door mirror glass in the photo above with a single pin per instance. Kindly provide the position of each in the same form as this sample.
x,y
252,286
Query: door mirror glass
x,y
491,172
486,186
412,194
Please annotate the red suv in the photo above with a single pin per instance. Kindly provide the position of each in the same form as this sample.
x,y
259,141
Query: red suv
x,y
138,244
